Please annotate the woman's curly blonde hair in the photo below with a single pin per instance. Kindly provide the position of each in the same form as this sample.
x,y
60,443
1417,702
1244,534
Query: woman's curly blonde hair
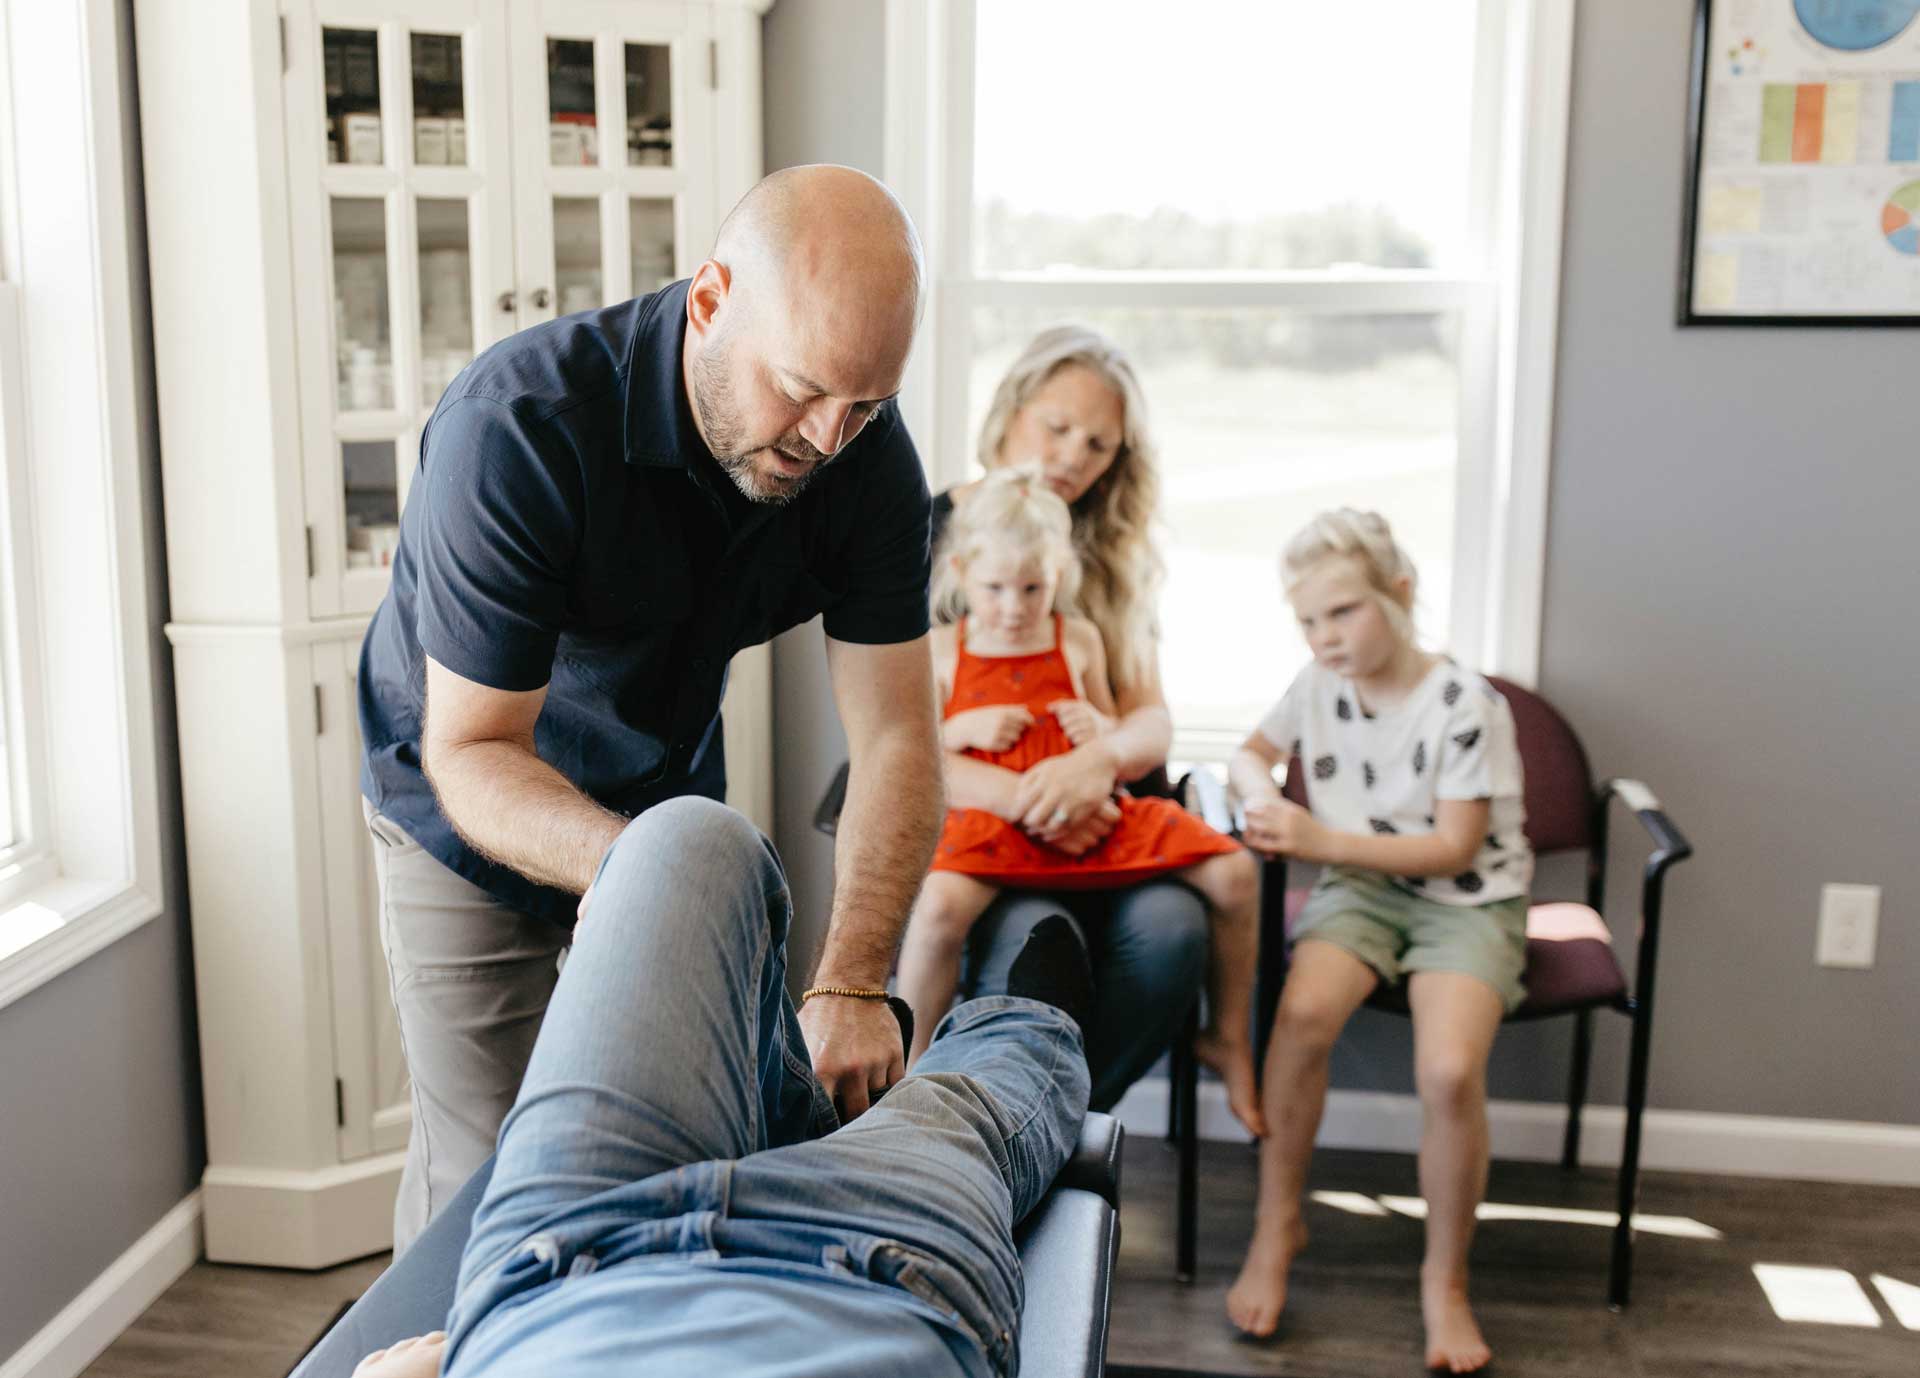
x,y
1113,520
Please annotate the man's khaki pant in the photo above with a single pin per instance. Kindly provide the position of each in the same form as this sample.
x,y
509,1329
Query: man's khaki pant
x,y
470,980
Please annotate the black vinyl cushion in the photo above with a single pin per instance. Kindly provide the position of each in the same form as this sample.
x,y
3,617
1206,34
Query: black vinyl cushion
x,y
1068,1247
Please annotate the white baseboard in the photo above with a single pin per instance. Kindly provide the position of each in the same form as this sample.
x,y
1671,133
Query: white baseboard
x,y
1526,1131
110,1303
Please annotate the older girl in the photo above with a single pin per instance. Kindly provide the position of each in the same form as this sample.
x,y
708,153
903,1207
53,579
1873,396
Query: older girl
x,y
1416,818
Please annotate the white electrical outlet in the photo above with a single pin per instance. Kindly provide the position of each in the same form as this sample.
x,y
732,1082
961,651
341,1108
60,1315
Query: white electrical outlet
x,y
1849,924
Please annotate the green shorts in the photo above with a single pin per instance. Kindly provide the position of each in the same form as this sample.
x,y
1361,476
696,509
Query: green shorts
x,y
1395,931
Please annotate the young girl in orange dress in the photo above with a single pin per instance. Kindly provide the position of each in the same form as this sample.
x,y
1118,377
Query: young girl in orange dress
x,y
1021,680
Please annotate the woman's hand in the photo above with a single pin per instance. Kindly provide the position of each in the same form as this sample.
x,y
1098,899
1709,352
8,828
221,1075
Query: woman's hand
x,y
994,728
1080,720
1281,828
1055,794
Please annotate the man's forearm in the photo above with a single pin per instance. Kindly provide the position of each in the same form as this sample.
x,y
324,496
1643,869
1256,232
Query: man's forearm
x,y
513,808
888,828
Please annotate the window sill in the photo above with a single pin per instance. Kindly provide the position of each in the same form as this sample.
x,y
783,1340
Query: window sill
x,y
60,925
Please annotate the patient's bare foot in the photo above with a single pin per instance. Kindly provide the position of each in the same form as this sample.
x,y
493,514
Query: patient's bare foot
x,y
1233,1063
1259,1294
418,1357
1454,1344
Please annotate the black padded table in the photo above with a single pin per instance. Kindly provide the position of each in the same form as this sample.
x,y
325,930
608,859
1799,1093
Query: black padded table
x,y
1068,1247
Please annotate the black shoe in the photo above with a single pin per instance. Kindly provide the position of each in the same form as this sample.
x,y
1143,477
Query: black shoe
x,y
1052,966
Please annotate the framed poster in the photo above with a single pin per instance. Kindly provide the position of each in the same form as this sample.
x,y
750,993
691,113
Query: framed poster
x,y
1803,176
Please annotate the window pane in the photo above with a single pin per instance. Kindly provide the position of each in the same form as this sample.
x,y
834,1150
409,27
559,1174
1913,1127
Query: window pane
x,y
350,59
439,101
1236,136
573,127
651,224
372,484
649,105
363,336
446,295
576,254
1263,418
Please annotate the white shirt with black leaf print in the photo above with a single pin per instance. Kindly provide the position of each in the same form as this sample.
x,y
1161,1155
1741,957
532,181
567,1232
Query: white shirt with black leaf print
x,y
1384,772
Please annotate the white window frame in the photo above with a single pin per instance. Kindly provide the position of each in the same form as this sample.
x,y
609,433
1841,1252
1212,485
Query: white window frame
x,y
1507,298
76,637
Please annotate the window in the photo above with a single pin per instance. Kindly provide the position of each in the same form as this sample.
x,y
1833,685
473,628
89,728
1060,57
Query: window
x,y
80,849
1311,227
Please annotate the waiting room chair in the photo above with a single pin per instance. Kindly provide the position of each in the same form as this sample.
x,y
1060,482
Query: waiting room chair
x,y
1572,968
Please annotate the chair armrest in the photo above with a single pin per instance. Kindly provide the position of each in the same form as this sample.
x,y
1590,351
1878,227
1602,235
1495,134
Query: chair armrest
x,y
1095,1164
1671,844
826,815
1204,794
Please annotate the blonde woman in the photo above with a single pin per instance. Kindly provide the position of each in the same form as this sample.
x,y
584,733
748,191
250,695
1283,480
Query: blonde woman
x,y
1071,406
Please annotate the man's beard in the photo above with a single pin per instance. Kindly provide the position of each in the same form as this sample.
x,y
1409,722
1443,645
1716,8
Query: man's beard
x,y
713,397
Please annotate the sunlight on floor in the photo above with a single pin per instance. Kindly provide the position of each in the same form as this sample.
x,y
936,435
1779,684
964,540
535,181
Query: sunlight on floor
x,y
1828,1296
1678,1226
1902,1298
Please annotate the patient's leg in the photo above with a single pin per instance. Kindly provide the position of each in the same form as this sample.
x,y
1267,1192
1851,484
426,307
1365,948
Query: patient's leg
x,y
670,1039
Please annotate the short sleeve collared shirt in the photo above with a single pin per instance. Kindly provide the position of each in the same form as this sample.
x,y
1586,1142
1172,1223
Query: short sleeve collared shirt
x,y
567,527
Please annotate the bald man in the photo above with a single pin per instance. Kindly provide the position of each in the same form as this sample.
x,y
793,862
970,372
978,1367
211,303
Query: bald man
x,y
608,507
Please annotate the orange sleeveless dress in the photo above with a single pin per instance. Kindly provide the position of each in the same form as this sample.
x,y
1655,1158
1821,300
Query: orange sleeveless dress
x,y
1153,836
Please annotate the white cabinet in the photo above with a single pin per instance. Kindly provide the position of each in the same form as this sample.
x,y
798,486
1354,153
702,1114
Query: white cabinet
x,y
346,201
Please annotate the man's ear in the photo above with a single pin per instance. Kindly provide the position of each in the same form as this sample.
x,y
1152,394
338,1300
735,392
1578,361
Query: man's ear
x,y
707,297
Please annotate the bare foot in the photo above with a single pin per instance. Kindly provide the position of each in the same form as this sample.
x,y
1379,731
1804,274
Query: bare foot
x,y
1233,1063
1454,1344
1259,1294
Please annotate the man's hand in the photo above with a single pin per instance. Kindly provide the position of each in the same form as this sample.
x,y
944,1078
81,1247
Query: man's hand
x,y
856,1049
993,728
1080,720
1281,828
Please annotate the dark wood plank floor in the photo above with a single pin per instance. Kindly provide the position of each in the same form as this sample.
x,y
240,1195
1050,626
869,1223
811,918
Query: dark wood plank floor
x,y
1697,1312
1539,1288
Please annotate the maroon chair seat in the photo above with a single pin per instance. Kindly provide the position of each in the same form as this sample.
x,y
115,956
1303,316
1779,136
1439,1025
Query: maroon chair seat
x,y
1570,962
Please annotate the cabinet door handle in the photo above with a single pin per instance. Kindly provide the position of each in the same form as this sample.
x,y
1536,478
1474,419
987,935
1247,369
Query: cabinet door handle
x,y
505,303
541,298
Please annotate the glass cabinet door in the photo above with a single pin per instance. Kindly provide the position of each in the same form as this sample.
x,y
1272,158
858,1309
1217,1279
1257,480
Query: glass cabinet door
x,y
606,208
400,178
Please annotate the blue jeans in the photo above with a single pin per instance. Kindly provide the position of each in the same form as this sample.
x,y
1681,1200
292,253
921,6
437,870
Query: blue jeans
x,y
1149,946
672,1192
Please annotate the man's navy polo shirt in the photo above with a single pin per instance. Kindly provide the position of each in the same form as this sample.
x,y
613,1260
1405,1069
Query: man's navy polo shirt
x,y
568,527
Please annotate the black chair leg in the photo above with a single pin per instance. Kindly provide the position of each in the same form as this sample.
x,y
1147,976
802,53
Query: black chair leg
x,y
1185,1093
1177,1057
1577,1087
1620,1275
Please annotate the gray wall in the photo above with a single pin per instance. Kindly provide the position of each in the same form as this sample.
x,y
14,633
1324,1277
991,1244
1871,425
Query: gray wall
x,y
1728,607
99,1068
825,64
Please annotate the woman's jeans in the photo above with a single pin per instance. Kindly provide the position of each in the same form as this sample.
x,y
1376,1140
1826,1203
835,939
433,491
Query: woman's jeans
x,y
1149,947
670,1145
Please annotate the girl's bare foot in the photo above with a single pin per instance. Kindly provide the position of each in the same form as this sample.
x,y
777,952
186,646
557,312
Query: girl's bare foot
x,y
1259,1294
1233,1063
1454,1344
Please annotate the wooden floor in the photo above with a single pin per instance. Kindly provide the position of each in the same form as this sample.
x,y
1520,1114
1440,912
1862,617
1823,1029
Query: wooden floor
x,y
1354,1309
